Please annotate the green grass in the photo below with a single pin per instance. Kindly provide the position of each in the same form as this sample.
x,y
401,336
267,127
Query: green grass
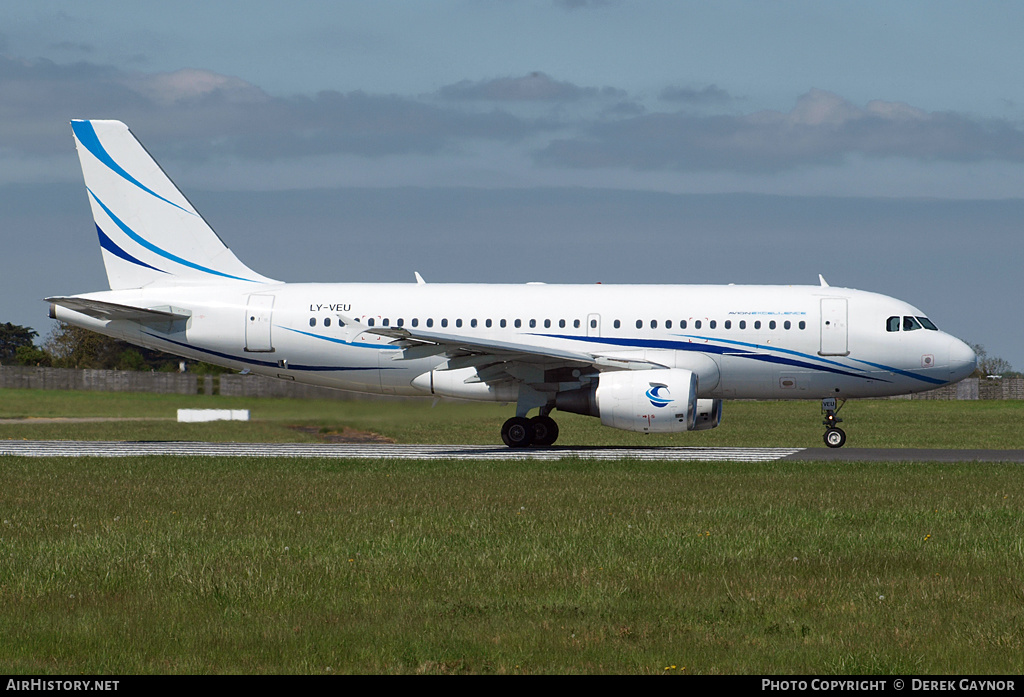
x,y
869,423
248,565
191,565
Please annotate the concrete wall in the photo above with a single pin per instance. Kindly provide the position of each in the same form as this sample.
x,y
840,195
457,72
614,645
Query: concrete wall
x,y
98,380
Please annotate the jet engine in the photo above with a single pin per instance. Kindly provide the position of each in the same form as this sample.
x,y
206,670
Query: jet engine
x,y
709,414
648,401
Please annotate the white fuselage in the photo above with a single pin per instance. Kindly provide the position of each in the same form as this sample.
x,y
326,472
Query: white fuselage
x,y
743,342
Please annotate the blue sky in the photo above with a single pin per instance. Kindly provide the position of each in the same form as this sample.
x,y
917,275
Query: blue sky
x,y
879,143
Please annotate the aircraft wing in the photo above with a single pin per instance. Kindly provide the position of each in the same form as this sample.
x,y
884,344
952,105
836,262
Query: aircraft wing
x,y
101,310
419,343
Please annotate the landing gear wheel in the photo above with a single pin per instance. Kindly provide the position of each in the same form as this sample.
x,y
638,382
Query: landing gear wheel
x,y
835,437
517,432
545,430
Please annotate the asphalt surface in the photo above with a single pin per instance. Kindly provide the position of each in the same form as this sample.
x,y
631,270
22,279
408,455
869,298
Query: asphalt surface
x,y
27,448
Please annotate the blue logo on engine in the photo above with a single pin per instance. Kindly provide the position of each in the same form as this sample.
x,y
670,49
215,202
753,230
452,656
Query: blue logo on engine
x,y
657,399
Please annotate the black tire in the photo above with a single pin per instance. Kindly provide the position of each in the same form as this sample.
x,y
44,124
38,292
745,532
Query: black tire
x,y
545,430
835,437
517,432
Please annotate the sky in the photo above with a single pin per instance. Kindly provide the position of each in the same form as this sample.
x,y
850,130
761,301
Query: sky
x,y
880,144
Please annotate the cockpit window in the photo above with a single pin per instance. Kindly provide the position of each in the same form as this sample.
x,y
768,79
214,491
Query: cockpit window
x,y
892,324
910,324
928,324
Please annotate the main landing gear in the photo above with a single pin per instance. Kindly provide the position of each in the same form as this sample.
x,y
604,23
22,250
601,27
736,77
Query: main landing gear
x,y
835,437
521,432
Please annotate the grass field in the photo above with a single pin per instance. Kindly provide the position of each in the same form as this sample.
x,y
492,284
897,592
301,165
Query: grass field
x,y
248,565
992,424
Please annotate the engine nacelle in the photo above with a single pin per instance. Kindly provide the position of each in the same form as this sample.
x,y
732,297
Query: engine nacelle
x,y
709,414
648,401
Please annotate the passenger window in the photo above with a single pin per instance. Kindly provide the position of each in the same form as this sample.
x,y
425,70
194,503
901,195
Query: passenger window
x,y
639,324
327,321
312,321
576,323
503,323
561,324
654,324
892,324
401,322
488,324
728,324
713,324
547,324
910,324
415,322
444,322
472,323
533,323
682,324
772,324
519,323
458,323
696,324
430,322
668,324
743,324
617,324
787,324
387,322
369,322
803,324
593,324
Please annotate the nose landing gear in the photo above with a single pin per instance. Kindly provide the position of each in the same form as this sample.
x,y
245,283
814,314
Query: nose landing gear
x,y
835,437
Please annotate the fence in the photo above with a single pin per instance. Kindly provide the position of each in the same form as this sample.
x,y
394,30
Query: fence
x,y
228,384
235,385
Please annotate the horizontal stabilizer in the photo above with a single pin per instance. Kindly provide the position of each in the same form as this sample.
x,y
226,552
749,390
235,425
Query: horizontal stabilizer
x,y
101,310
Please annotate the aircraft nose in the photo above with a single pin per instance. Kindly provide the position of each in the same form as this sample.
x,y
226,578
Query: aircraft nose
x,y
962,360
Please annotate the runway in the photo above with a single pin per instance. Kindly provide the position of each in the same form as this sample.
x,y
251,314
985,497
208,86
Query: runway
x,y
377,451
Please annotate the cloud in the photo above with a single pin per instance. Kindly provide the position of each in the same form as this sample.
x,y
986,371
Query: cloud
x,y
584,4
821,129
710,95
197,113
535,87
501,125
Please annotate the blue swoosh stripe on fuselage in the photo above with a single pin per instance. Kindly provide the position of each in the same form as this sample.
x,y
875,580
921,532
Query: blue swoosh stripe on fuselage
x,y
86,133
762,347
336,340
711,348
157,250
907,373
265,364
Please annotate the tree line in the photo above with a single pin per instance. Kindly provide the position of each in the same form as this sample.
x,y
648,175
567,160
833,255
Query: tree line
x,y
67,346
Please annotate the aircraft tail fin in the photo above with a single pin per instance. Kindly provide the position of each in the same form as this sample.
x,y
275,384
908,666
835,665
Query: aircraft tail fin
x,y
149,233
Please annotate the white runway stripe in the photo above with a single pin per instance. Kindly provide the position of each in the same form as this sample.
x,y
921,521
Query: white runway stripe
x,y
381,451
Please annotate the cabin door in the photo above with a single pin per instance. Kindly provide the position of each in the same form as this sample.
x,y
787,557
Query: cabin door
x,y
258,316
834,329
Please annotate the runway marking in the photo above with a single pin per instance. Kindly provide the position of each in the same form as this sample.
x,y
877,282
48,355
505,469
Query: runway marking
x,y
384,451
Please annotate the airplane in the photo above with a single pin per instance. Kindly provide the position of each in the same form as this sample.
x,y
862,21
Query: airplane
x,y
644,358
